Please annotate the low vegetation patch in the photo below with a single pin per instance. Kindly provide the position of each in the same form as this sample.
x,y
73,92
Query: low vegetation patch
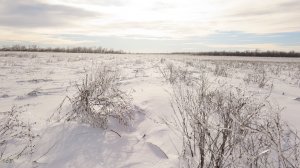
x,y
173,74
223,127
16,136
99,99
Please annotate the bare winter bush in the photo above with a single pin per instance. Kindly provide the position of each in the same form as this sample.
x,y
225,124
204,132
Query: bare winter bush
x,y
174,74
226,128
16,136
297,75
169,72
99,99
221,70
258,76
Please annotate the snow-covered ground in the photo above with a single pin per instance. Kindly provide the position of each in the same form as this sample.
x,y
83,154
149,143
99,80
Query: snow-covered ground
x,y
38,83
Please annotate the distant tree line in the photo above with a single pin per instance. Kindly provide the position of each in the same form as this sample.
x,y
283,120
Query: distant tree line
x,y
35,48
255,53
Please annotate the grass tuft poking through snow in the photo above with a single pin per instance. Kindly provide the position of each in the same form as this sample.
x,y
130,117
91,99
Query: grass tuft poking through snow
x,y
99,99
16,136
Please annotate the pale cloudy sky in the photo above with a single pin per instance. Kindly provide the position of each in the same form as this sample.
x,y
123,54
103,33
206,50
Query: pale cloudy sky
x,y
153,25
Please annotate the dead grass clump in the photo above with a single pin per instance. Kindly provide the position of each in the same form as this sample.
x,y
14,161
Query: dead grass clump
x,y
174,74
99,99
258,76
16,136
221,70
226,128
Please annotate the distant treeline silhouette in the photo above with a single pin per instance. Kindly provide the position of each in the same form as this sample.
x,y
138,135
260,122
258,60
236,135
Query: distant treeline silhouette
x,y
35,48
255,53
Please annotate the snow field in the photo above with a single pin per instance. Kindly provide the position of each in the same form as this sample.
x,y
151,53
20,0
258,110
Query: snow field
x,y
38,82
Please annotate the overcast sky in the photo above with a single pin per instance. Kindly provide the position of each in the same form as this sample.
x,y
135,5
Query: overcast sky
x,y
153,25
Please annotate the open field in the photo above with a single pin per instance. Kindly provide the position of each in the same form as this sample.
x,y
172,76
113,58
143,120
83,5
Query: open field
x,y
147,100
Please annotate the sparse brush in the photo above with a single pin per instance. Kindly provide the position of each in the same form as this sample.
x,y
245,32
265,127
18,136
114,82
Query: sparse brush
x,y
174,74
276,69
99,99
16,136
138,61
162,60
221,70
297,76
169,73
259,77
189,63
225,128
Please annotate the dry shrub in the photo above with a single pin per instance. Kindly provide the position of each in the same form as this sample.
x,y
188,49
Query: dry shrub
x,y
226,128
174,74
16,136
221,70
99,99
258,76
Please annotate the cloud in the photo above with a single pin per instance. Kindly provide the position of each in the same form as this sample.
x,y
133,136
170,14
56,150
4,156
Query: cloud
x,y
83,3
219,41
32,13
172,18
233,37
100,2
22,37
153,22
261,17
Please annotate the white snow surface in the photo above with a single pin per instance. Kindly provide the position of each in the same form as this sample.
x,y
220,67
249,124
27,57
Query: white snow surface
x,y
40,81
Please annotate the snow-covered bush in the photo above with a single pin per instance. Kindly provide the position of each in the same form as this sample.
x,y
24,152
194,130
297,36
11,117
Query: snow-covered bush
x,y
258,76
99,99
297,76
173,74
16,136
221,70
169,72
225,128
